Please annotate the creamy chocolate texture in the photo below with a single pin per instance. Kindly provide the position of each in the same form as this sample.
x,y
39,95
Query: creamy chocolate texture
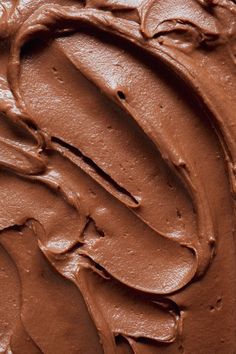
x,y
118,176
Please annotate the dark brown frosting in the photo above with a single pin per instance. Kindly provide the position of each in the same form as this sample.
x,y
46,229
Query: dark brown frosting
x,y
117,180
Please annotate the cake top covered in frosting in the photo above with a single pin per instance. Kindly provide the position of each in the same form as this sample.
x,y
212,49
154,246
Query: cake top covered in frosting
x,y
117,176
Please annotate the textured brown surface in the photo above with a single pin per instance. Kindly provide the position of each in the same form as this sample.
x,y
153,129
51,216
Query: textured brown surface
x,y
117,176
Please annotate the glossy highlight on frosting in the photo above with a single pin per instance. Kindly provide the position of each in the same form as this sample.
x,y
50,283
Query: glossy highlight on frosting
x,y
117,179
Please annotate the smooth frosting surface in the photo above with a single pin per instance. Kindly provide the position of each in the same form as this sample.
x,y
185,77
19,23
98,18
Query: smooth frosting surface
x,y
117,176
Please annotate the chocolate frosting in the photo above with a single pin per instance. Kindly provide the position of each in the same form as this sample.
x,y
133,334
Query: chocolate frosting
x,y
118,176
